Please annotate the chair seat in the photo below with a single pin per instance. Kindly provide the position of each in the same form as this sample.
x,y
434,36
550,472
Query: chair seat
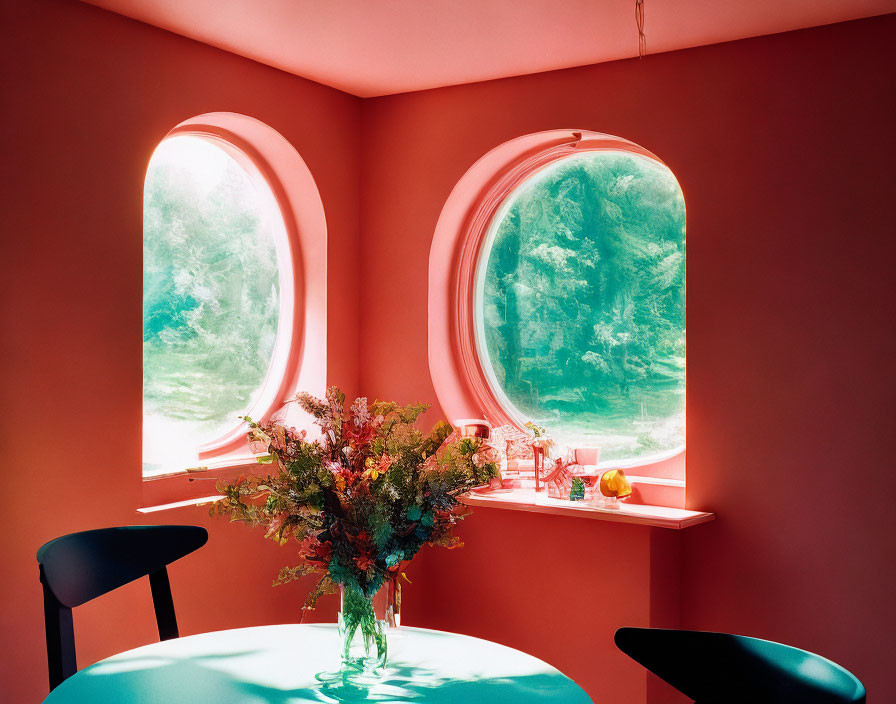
x,y
713,668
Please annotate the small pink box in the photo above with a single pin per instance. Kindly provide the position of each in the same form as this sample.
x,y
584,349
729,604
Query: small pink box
x,y
587,455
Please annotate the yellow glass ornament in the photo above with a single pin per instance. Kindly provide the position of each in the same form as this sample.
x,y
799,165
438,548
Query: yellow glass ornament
x,y
614,483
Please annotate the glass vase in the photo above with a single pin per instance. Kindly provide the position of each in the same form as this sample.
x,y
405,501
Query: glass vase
x,y
363,626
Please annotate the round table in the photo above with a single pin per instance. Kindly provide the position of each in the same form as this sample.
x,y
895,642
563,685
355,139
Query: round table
x,y
277,665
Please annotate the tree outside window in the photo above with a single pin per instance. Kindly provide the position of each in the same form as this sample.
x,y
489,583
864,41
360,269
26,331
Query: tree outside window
x,y
211,298
580,304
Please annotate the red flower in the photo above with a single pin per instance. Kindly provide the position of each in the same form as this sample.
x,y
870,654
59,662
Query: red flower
x,y
364,562
319,551
324,551
362,543
357,436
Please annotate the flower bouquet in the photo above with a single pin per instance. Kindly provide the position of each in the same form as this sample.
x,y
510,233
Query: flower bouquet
x,y
360,501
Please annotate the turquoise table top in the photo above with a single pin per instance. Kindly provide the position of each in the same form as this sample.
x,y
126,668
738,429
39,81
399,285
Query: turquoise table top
x,y
277,665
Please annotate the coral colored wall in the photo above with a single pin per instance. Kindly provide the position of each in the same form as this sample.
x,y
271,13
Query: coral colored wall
x,y
86,96
784,146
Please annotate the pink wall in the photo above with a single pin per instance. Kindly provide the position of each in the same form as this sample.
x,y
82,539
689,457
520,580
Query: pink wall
x,y
86,96
784,147
556,587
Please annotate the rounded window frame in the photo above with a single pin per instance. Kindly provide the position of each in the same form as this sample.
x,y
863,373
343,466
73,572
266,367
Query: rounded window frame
x,y
298,359
460,381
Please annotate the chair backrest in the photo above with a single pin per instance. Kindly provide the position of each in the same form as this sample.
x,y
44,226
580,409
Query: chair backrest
x,y
713,668
82,566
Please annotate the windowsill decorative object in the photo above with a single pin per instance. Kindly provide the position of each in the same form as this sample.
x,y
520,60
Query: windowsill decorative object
x,y
577,490
513,449
587,456
559,481
473,428
614,487
481,430
541,443
360,501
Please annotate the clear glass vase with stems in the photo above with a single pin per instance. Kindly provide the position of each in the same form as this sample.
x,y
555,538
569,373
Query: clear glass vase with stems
x,y
364,624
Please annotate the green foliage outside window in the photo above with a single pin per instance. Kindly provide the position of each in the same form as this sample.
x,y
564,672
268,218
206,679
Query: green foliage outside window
x,y
210,298
581,303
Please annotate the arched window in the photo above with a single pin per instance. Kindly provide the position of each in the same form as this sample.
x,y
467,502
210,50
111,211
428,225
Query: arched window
x,y
214,244
234,290
569,302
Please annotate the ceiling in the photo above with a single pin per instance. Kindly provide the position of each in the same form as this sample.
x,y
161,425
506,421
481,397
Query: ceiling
x,y
378,47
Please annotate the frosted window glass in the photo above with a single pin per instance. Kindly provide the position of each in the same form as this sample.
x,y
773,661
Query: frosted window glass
x,y
580,302
211,300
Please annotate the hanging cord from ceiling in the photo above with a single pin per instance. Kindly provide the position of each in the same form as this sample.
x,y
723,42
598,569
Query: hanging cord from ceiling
x,y
639,20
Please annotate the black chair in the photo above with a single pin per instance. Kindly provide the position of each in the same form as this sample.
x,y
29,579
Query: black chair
x,y
82,566
712,668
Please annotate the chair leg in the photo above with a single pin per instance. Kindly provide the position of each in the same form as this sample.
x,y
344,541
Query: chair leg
x,y
61,660
164,604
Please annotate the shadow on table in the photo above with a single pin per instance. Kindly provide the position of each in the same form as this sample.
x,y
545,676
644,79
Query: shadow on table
x,y
196,680
401,683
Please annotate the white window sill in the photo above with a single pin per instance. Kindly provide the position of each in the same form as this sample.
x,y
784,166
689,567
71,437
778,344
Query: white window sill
x,y
202,500
637,514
